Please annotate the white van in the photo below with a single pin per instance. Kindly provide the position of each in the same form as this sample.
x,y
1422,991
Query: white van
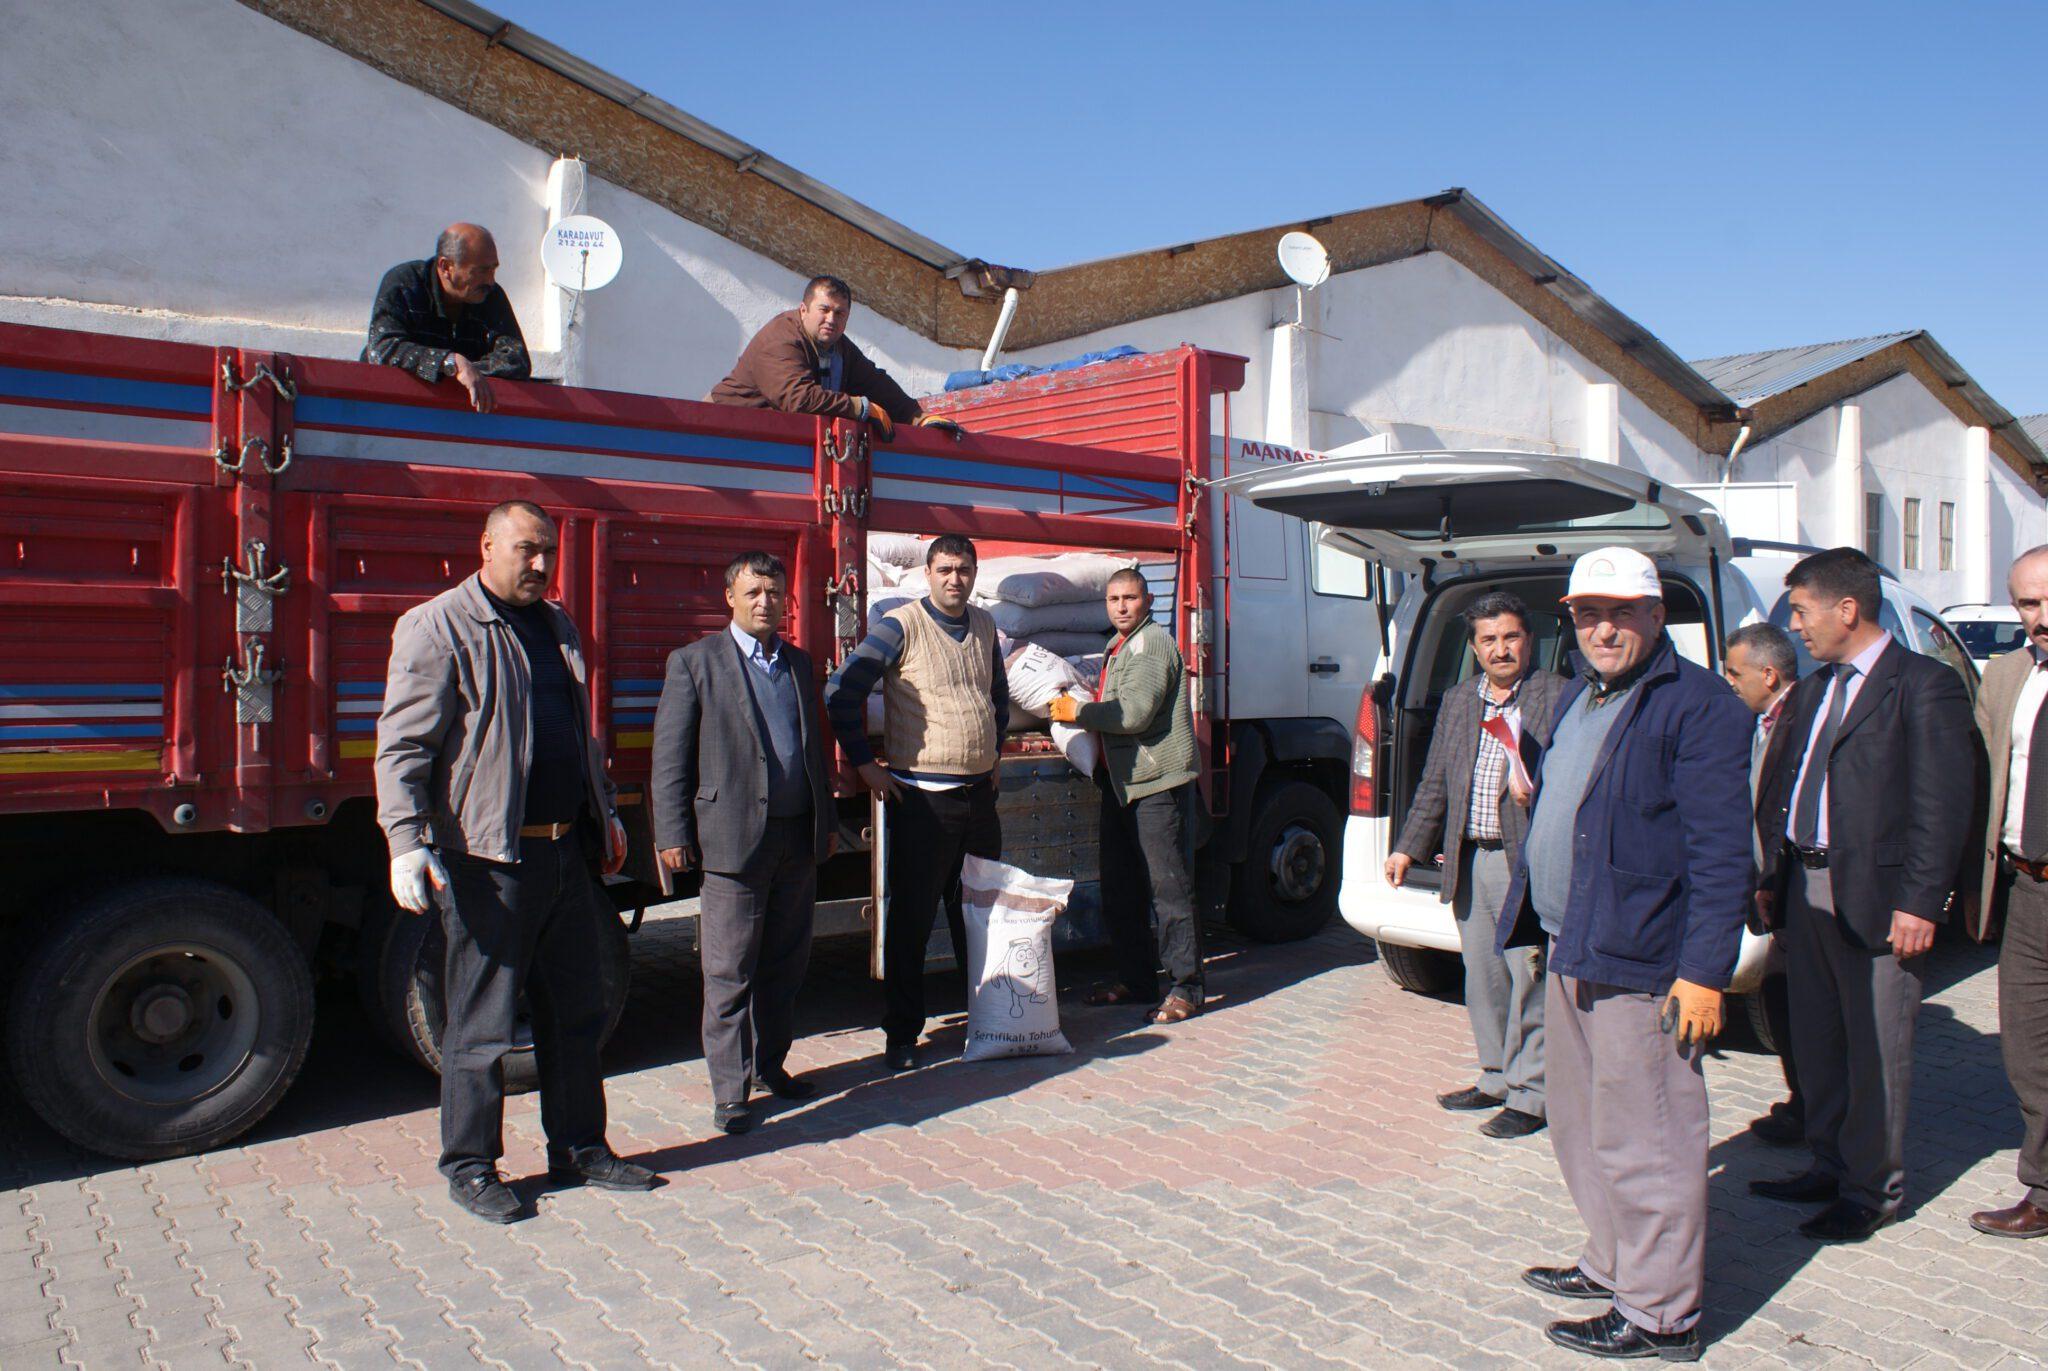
x,y
1447,527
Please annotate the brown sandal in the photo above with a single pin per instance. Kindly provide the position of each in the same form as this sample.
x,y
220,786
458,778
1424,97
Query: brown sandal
x,y
1174,1008
1105,995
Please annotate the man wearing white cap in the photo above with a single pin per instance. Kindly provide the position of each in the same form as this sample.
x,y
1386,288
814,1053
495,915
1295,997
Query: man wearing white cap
x,y
1637,872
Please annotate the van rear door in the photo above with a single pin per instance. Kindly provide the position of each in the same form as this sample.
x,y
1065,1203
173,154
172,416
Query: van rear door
x,y
1412,509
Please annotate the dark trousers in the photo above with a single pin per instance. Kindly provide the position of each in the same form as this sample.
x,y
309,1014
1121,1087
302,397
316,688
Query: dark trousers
x,y
1144,864
755,928
931,832
2023,1021
1778,1013
528,927
1853,1014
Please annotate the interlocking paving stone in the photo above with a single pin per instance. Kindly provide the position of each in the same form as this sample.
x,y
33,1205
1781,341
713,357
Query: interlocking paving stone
x,y
1270,1184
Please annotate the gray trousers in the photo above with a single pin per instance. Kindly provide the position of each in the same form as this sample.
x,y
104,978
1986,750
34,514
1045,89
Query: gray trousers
x,y
1628,1121
755,928
2023,1021
1853,1013
1503,992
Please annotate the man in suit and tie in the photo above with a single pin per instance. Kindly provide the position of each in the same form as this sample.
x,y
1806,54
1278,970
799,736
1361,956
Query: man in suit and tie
x,y
2013,880
1472,804
1762,666
1868,811
740,788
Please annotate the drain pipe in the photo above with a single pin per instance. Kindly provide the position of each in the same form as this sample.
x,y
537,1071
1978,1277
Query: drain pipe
x,y
1728,470
995,341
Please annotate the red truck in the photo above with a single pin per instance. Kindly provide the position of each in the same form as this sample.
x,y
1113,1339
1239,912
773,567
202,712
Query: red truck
x,y
203,552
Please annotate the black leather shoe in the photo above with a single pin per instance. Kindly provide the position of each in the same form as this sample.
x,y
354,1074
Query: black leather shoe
x,y
483,1194
1845,1221
732,1118
605,1170
784,1086
1567,1282
1779,1128
1512,1123
901,1056
1612,1335
1808,1187
1471,1097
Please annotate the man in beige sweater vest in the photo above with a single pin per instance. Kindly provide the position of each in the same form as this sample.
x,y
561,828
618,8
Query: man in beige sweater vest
x,y
946,704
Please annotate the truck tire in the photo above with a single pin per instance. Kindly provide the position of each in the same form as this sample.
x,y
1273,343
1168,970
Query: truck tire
x,y
1423,970
410,1005
160,1017
1286,887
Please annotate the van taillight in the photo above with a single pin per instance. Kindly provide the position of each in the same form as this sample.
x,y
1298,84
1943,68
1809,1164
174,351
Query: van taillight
x,y
1365,746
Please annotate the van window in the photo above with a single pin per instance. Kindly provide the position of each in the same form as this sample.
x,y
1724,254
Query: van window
x,y
1942,644
1455,663
1333,571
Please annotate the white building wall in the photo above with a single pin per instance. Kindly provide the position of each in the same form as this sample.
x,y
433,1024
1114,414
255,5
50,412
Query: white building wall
x,y
190,169
1913,447
1421,352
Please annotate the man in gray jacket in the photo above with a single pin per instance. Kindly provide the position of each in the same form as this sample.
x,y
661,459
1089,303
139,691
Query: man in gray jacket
x,y
492,794
1472,805
1147,780
741,788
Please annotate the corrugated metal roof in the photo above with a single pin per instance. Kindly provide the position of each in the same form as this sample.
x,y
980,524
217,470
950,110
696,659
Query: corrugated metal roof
x,y
536,49
2036,426
1753,376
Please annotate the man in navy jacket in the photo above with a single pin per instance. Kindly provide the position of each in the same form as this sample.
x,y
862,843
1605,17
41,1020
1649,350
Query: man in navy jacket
x,y
1636,871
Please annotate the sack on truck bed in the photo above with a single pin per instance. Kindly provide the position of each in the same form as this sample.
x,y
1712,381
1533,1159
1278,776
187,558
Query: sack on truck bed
x,y
1012,998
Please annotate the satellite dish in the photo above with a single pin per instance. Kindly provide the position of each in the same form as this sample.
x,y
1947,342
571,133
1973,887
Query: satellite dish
x,y
1306,262
581,252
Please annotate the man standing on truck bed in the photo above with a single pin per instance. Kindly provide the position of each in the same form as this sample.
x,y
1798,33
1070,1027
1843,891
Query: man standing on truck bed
x,y
741,787
801,362
946,705
1147,776
1472,805
492,793
448,317
1636,869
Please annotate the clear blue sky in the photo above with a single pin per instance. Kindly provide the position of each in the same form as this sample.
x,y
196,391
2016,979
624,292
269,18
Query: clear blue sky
x,y
1737,176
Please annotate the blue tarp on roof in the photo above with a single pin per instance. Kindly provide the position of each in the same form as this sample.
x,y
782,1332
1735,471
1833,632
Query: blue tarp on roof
x,y
968,380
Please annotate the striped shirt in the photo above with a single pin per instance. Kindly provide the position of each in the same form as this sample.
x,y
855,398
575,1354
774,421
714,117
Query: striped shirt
x,y
846,694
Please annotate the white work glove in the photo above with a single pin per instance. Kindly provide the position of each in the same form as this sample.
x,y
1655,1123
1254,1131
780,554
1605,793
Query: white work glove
x,y
415,877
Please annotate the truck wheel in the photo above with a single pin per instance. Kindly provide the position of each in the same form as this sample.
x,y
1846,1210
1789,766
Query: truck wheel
x,y
161,1017
412,1010
1423,970
1286,887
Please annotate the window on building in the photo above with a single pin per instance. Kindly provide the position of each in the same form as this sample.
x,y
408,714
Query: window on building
x,y
1909,533
1873,526
1947,535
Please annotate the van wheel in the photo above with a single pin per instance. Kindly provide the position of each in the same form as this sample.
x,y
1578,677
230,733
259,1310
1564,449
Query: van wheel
x,y
161,1017
412,1013
1286,887
1756,1009
1423,970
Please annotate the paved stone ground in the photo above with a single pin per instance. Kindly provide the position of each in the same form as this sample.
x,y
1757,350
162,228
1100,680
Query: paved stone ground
x,y
1270,1184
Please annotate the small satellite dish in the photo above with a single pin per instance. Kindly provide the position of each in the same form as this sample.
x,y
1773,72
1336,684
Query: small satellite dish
x,y
1306,262
581,252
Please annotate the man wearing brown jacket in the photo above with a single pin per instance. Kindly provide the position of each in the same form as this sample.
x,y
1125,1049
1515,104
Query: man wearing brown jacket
x,y
801,362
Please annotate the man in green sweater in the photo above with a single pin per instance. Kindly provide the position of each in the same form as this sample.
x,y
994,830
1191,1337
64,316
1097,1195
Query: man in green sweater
x,y
1147,778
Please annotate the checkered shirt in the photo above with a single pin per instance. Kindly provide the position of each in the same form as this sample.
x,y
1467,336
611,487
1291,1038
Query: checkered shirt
x,y
1490,767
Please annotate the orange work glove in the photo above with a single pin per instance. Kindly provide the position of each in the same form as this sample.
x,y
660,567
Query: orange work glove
x,y
1063,709
1691,1011
944,425
885,427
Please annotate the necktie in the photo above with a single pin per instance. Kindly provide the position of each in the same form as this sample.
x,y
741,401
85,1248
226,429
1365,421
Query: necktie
x,y
2034,818
1806,812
